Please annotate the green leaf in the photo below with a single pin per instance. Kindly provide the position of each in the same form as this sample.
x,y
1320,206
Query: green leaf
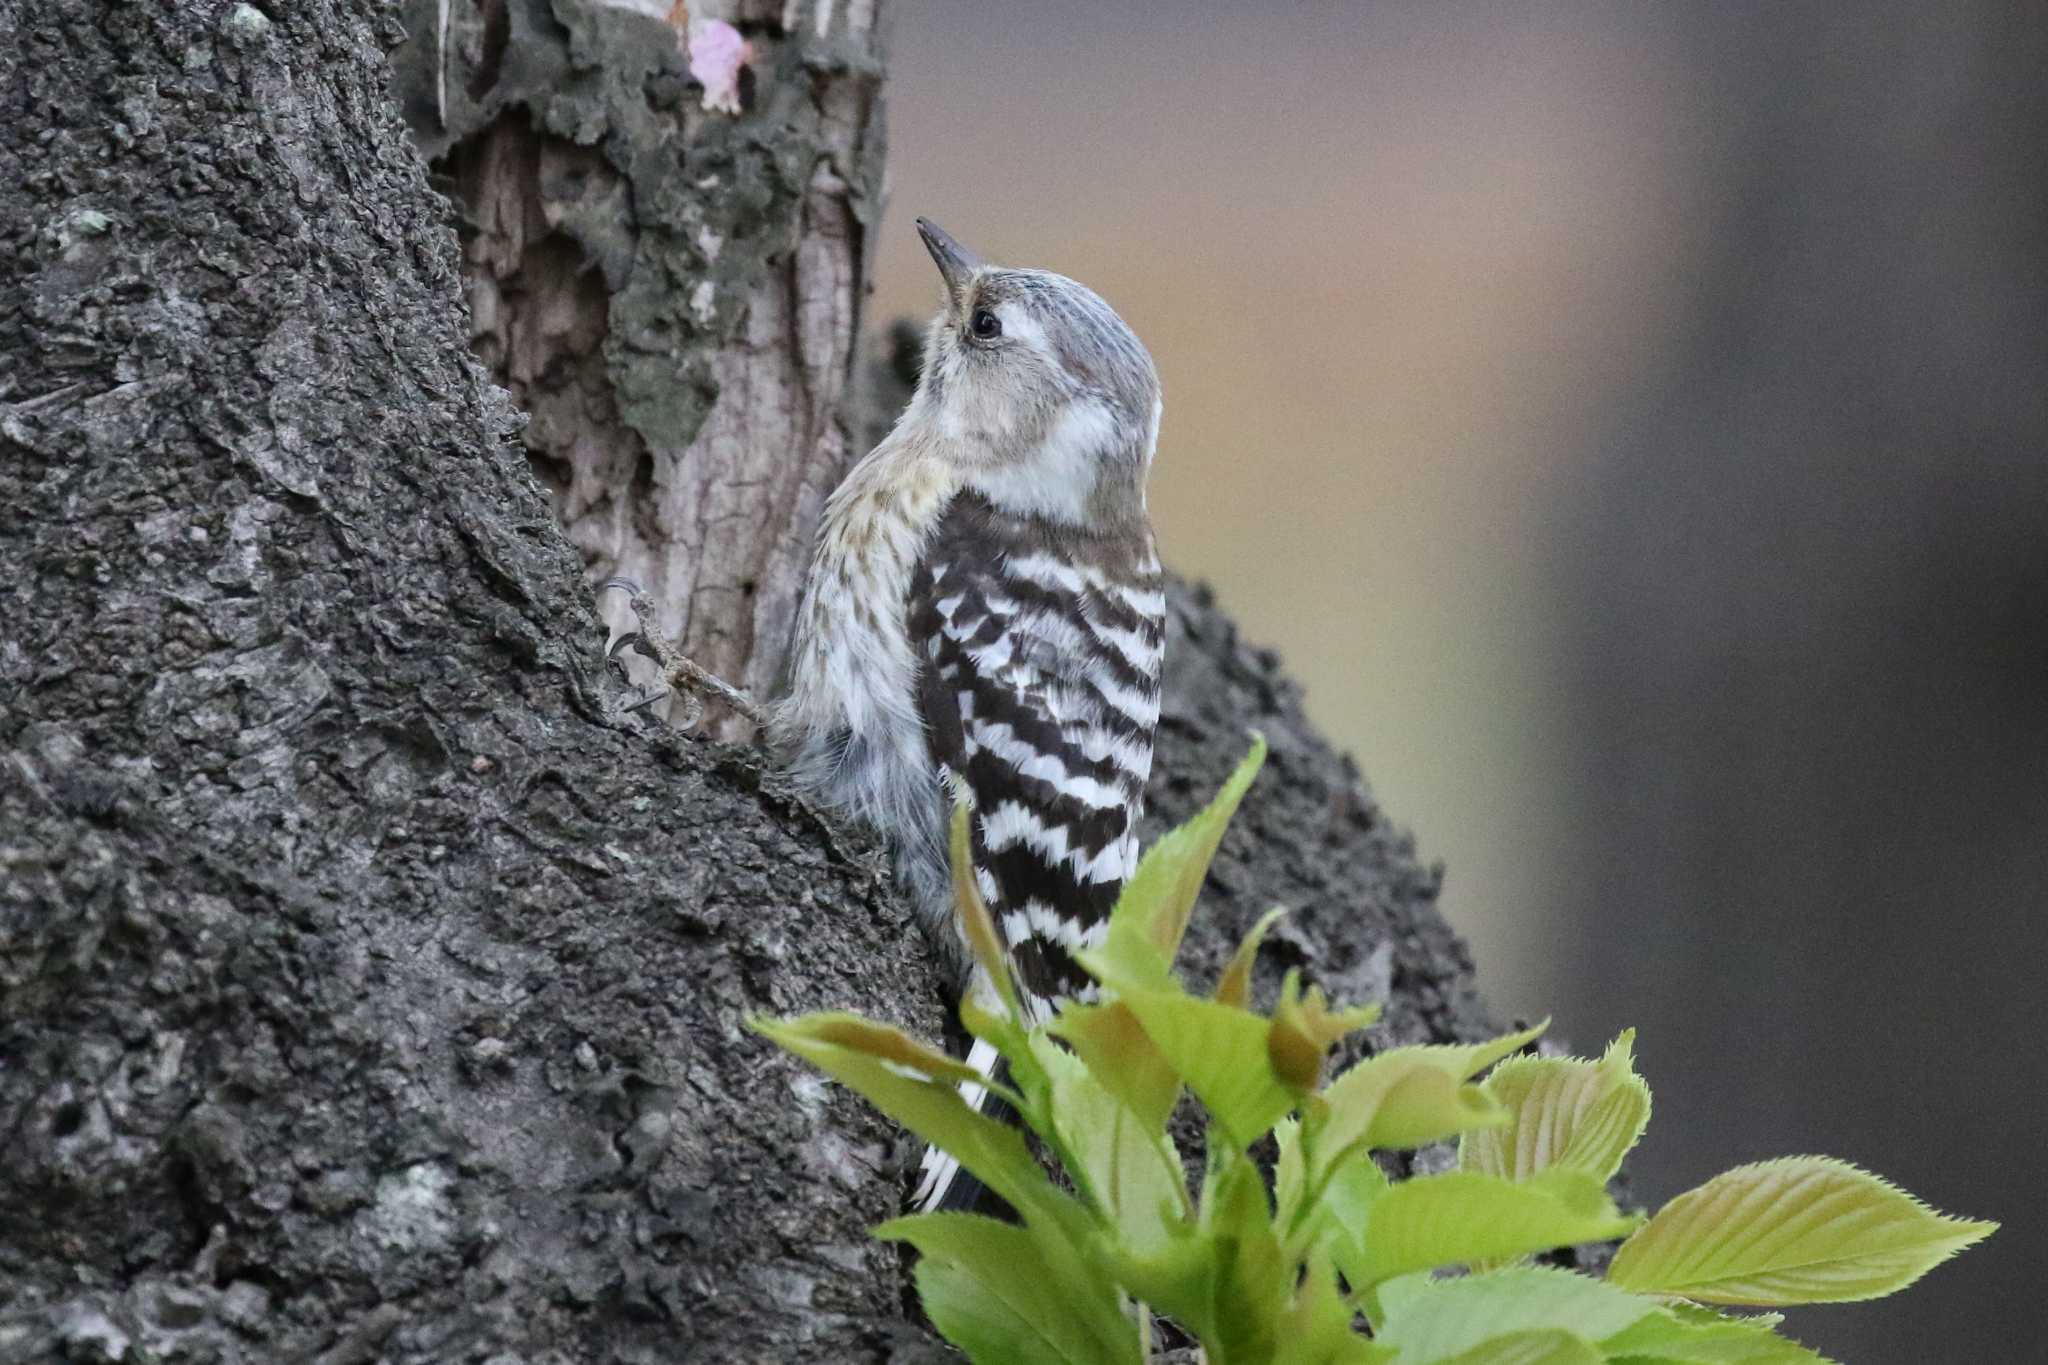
x,y
1220,1052
867,1058
1427,1105
1796,1230
1466,1060
1290,1175
1434,1320
1003,1294
882,1042
1562,1112
982,1325
1461,1216
1113,1045
1234,987
1234,1195
1353,1189
1698,1336
1010,1038
1225,1278
1232,1291
1342,1203
1178,1278
977,926
1402,1098
1151,915
1552,1346
1254,1291
1303,1029
1316,1327
1128,1168
1354,1098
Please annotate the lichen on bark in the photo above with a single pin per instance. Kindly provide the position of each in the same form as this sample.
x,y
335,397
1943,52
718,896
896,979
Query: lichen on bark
x,y
671,293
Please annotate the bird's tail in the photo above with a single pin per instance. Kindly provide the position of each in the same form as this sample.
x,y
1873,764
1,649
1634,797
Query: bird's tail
x,y
944,1185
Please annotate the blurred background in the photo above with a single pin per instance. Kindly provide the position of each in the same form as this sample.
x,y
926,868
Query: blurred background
x,y
1631,422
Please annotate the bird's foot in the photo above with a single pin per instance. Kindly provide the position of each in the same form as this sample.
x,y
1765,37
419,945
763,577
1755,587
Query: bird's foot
x,y
684,676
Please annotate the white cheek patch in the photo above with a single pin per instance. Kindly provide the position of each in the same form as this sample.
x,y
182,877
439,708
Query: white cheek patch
x,y
1021,327
1056,480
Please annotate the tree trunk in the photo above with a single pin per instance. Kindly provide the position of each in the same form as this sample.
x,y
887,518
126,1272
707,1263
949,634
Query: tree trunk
x,y
669,293
372,989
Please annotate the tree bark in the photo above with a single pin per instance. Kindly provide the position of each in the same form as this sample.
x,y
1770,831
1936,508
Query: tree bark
x,y
371,987
671,294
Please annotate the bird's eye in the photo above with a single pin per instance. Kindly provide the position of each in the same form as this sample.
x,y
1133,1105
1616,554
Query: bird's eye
x,y
986,325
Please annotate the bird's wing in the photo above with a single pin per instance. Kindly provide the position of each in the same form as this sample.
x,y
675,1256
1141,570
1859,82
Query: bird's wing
x,y
1039,689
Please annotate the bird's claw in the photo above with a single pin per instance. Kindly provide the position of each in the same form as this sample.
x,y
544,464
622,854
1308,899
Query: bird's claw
x,y
646,701
686,679
640,644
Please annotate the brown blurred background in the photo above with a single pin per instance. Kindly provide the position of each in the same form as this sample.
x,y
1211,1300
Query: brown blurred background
x,y
1631,421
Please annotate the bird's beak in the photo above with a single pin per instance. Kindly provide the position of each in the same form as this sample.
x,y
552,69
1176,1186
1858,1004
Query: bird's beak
x,y
956,263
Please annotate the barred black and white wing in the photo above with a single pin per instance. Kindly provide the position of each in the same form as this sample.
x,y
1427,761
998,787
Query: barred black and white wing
x,y
1039,690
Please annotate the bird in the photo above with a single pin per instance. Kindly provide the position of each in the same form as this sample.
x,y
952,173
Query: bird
x,y
984,621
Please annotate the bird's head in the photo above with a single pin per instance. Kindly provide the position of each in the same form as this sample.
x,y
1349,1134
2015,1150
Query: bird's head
x,y
1033,384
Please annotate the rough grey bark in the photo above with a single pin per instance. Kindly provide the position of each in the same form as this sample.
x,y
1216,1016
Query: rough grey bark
x,y
369,989
670,294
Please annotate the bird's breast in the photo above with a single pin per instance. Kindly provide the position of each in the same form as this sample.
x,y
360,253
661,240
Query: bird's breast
x,y
854,669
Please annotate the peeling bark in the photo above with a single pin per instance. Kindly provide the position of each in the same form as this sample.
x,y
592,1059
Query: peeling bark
x,y
672,294
370,988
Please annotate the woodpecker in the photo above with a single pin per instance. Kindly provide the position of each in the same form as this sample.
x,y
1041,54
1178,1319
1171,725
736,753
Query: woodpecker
x,y
984,621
